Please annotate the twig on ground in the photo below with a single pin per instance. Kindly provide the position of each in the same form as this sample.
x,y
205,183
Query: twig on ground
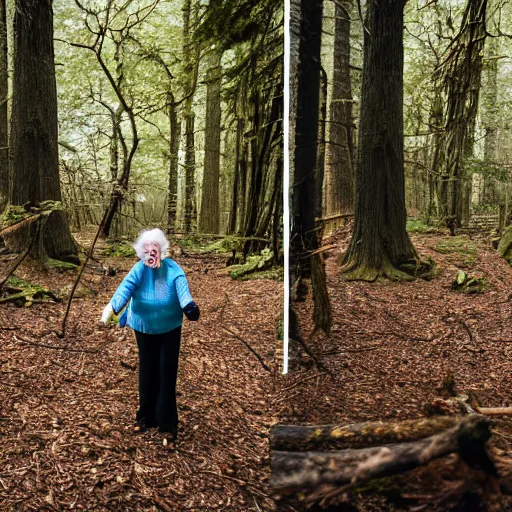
x,y
301,381
342,351
62,333
54,347
260,359
298,339
468,330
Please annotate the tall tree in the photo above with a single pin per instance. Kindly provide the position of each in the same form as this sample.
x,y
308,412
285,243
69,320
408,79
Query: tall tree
x,y
190,54
380,244
307,177
490,114
209,216
4,142
461,74
34,123
105,26
339,169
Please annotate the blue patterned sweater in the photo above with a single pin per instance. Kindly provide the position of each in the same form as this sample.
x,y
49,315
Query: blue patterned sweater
x,y
156,297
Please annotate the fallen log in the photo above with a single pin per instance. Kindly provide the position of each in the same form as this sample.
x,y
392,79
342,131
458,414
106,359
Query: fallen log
x,y
293,471
358,435
495,411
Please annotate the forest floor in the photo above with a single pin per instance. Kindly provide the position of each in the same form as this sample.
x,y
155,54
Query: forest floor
x,y
67,413
393,343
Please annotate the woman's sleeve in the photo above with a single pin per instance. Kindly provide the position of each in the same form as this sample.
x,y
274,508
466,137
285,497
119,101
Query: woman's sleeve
x,y
189,307
125,290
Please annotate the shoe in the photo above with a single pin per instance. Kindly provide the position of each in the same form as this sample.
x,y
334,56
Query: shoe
x,y
170,436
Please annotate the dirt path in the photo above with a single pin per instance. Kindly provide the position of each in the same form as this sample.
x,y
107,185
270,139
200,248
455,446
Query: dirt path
x,y
392,344
66,417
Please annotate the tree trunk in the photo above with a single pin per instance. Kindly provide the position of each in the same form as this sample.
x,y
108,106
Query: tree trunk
x,y
380,243
490,115
34,123
339,169
209,216
174,145
306,203
461,80
114,143
237,199
322,313
304,200
4,137
189,121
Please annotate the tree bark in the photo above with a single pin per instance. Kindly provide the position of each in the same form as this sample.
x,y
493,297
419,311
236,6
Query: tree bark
x,y
292,472
490,115
237,198
308,159
174,145
461,76
209,216
358,435
380,243
189,52
4,131
339,168
34,124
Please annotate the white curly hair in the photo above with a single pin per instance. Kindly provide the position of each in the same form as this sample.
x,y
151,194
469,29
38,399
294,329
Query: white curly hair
x,y
151,236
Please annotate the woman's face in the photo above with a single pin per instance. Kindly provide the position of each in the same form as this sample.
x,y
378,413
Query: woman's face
x,y
152,254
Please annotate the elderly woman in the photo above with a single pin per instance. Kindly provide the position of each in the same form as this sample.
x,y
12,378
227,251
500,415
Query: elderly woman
x,y
156,294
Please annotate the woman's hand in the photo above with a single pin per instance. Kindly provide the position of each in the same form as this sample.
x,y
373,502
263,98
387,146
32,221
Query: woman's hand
x,y
108,312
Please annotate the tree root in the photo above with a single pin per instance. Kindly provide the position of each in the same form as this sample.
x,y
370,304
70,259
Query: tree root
x,y
406,271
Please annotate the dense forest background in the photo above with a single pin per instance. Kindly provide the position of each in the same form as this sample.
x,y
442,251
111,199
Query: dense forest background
x,y
169,114
457,88
400,121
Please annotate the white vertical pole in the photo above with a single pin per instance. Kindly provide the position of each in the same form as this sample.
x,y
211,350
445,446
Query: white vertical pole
x,y
286,183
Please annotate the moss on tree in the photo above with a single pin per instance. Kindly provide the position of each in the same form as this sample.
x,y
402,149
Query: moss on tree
x,y
505,245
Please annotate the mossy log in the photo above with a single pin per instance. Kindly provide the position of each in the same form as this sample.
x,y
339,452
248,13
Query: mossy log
x,y
294,472
21,292
358,435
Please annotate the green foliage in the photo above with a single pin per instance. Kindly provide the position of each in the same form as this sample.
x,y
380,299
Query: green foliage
x,y
13,214
119,249
274,274
60,265
232,22
418,226
255,263
487,169
463,282
227,244
456,244
484,208
24,293
461,246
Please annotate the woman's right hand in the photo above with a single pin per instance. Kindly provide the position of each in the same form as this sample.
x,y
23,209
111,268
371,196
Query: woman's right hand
x,y
108,312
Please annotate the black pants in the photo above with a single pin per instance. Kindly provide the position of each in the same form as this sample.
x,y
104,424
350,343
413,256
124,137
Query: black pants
x,y
158,371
